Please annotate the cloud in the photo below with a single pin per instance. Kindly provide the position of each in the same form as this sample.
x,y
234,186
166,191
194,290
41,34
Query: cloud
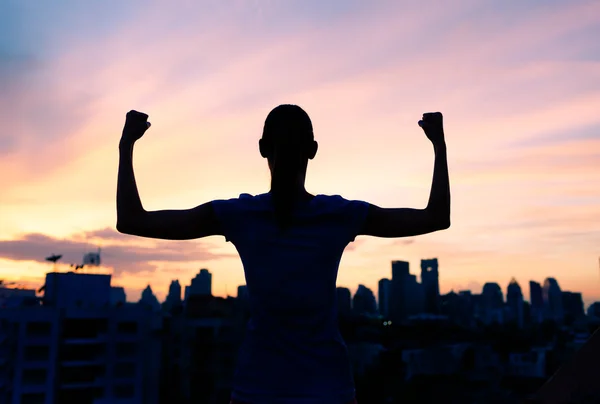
x,y
121,253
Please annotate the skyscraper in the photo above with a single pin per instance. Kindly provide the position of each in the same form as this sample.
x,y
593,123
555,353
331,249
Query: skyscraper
x,y
431,285
553,300
364,301
397,303
536,299
514,301
413,296
493,303
149,299
174,295
201,285
572,305
383,296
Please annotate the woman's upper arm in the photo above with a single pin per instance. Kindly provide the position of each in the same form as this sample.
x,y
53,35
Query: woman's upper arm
x,y
399,222
187,224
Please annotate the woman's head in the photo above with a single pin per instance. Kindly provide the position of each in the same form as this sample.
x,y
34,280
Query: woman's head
x,y
288,140
287,143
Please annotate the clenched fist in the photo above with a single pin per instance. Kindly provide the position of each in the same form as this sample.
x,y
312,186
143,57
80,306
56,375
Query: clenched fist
x,y
433,126
136,124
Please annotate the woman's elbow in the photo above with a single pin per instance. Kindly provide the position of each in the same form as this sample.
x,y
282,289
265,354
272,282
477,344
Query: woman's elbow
x,y
444,224
122,228
128,227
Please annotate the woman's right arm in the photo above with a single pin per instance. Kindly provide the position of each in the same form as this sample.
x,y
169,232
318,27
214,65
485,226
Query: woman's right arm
x,y
133,219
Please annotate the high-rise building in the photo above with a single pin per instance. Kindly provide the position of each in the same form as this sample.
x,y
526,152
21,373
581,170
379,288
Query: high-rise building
x,y
594,310
77,347
364,301
553,300
174,296
117,296
397,301
383,296
344,301
84,291
493,303
413,296
149,300
431,285
573,306
536,300
514,302
201,285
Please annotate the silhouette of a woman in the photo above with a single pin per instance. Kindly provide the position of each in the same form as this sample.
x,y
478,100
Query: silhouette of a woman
x,y
290,243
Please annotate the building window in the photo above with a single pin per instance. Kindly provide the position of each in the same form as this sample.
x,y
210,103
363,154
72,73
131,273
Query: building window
x,y
34,377
33,398
124,370
82,352
83,328
127,327
126,350
37,353
124,391
39,329
79,395
81,374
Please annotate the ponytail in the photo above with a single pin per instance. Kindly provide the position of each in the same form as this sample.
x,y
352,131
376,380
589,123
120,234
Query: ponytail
x,y
283,206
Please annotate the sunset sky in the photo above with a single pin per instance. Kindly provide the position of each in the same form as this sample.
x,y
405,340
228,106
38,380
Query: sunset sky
x,y
518,83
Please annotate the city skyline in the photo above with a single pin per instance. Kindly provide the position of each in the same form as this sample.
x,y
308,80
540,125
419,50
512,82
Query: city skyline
x,y
519,85
525,290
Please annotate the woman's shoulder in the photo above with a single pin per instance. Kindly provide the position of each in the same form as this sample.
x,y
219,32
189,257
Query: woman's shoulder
x,y
337,202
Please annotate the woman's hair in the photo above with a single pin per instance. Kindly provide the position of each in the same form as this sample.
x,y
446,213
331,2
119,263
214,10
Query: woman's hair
x,y
287,133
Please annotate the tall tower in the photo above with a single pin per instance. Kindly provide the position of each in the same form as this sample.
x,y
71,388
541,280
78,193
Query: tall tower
x,y
431,285
553,300
383,296
514,301
397,300
201,285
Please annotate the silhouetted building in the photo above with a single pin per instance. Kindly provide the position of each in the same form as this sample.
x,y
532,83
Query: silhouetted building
x,y
493,303
397,302
71,289
117,296
594,310
413,296
364,301
553,300
148,299
201,285
514,303
466,308
344,301
456,306
79,349
536,300
573,306
174,296
431,285
16,297
383,296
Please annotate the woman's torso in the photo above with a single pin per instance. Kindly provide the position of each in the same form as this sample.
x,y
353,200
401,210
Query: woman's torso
x,y
292,349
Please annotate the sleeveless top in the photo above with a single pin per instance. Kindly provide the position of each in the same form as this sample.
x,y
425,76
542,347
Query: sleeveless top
x,y
293,352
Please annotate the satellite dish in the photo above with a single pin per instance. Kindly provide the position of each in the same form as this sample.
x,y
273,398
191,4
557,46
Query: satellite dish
x,y
54,258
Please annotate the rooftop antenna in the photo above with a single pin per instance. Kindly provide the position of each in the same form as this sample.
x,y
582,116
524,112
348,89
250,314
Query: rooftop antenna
x,y
54,259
